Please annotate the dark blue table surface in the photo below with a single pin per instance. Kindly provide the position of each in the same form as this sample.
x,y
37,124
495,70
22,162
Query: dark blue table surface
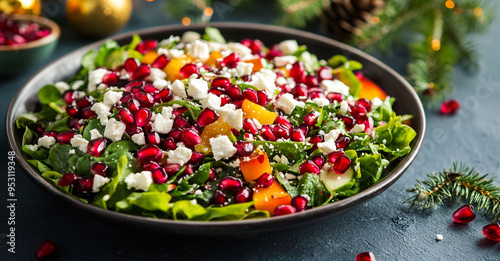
x,y
382,226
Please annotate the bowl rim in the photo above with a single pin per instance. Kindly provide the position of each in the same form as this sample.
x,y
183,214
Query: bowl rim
x,y
226,227
55,32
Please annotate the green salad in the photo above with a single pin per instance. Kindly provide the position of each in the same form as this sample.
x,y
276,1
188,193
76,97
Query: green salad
x,y
199,128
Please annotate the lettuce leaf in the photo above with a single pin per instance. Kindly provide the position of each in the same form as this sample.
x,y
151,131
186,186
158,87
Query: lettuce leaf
x,y
213,34
311,185
293,150
150,201
395,137
343,70
49,93
384,112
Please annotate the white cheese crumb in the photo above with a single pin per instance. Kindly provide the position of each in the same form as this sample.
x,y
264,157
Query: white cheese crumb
x,y
139,138
102,112
284,159
357,128
344,107
335,86
140,181
198,89
233,118
99,181
111,98
333,134
46,141
290,176
281,61
79,142
180,155
328,146
222,147
156,74
33,147
178,89
257,123
114,130
243,68
190,36
286,103
106,197
439,237
212,101
265,80
95,78
71,152
288,47
61,86
94,134
321,101
376,102
199,50
77,84
281,81
240,49
161,124
160,84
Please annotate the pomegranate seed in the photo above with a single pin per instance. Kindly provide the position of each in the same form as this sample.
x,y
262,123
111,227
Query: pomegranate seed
x,y
110,78
230,61
87,113
217,91
141,72
311,118
179,111
46,249
125,116
365,256
297,72
309,167
180,122
96,147
160,62
150,152
150,165
298,135
222,82
131,65
284,210
265,180
262,98
176,134
224,99
133,105
243,148
72,111
319,160
150,89
212,176
335,155
492,231
250,127
159,176
243,195
365,103
342,141
267,133
142,116
189,69
99,168
341,164
283,121
169,144
325,73
300,202
234,93
154,138
465,214
230,183
207,116
188,170
145,99
315,140
163,96
146,45
300,91
250,94
311,81
348,121
132,129
70,96
358,112
74,123
172,168
219,198
39,129
196,157
65,136
273,53
136,83
85,101
335,96
84,185
281,131
67,179
450,107
246,42
190,138
316,94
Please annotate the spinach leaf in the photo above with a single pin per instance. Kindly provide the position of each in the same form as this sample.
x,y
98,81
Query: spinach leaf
x,y
59,125
93,124
42,168
194,109
395,137
54,177
26,119
150,201
40,154
344,71
291,149
384,112
29,136
46,113
371,167
233,212
311,185
201,175
88,62
185,209
116,189
292,190
49,93
59,157
115,59
213,35
102,54
121,145
136,39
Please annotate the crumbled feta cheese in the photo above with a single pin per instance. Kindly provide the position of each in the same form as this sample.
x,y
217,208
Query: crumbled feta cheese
x,y
290,176
277,159
333,134
167,112
95,78
160,84
321,101
233,118
335,86
284,159
198,88
240,49
106,197
286,103
33,147
328,146
77,84
257,123
344,107
376,102
156,74
212,101
102,87
139,138
168,42
281,81
198,192
265,80
439,237
222,147
161,124
190,36
111,98
199,50
94,134
79,142
235,163
281,61
71,152
46,141
61,86
180,155
114,130
243,68
140,181
102,112
99,181
288,47
357,128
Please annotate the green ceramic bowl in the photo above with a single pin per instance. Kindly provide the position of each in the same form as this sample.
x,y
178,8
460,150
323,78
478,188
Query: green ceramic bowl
x,y
19,58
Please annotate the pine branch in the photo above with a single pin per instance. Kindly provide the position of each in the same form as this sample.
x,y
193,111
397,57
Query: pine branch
x,y
298,12
459,183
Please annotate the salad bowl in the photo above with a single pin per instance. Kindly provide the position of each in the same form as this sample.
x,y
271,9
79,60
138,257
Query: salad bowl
x,y
407,102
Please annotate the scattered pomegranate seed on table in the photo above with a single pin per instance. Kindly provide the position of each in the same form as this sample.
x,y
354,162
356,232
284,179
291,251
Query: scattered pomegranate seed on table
x,y
365,256
465,214
46,249
450,107
492,231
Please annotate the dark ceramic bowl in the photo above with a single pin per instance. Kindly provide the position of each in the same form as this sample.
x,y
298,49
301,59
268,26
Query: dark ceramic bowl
x,y
407,103
19,58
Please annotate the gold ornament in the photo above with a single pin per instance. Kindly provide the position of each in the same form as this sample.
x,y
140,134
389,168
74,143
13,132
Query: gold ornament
x,y
98,17
20,7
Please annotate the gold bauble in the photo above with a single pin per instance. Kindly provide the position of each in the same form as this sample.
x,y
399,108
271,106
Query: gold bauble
x,y
20,7
98,17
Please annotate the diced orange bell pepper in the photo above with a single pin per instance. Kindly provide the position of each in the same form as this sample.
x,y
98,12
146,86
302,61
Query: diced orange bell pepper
x,y
219,127
174,66
255,165
212,59
150,57
257,64
369,89
252,110
269,198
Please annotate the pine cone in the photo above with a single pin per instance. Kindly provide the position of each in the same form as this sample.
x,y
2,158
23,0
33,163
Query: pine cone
x,y
342,17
